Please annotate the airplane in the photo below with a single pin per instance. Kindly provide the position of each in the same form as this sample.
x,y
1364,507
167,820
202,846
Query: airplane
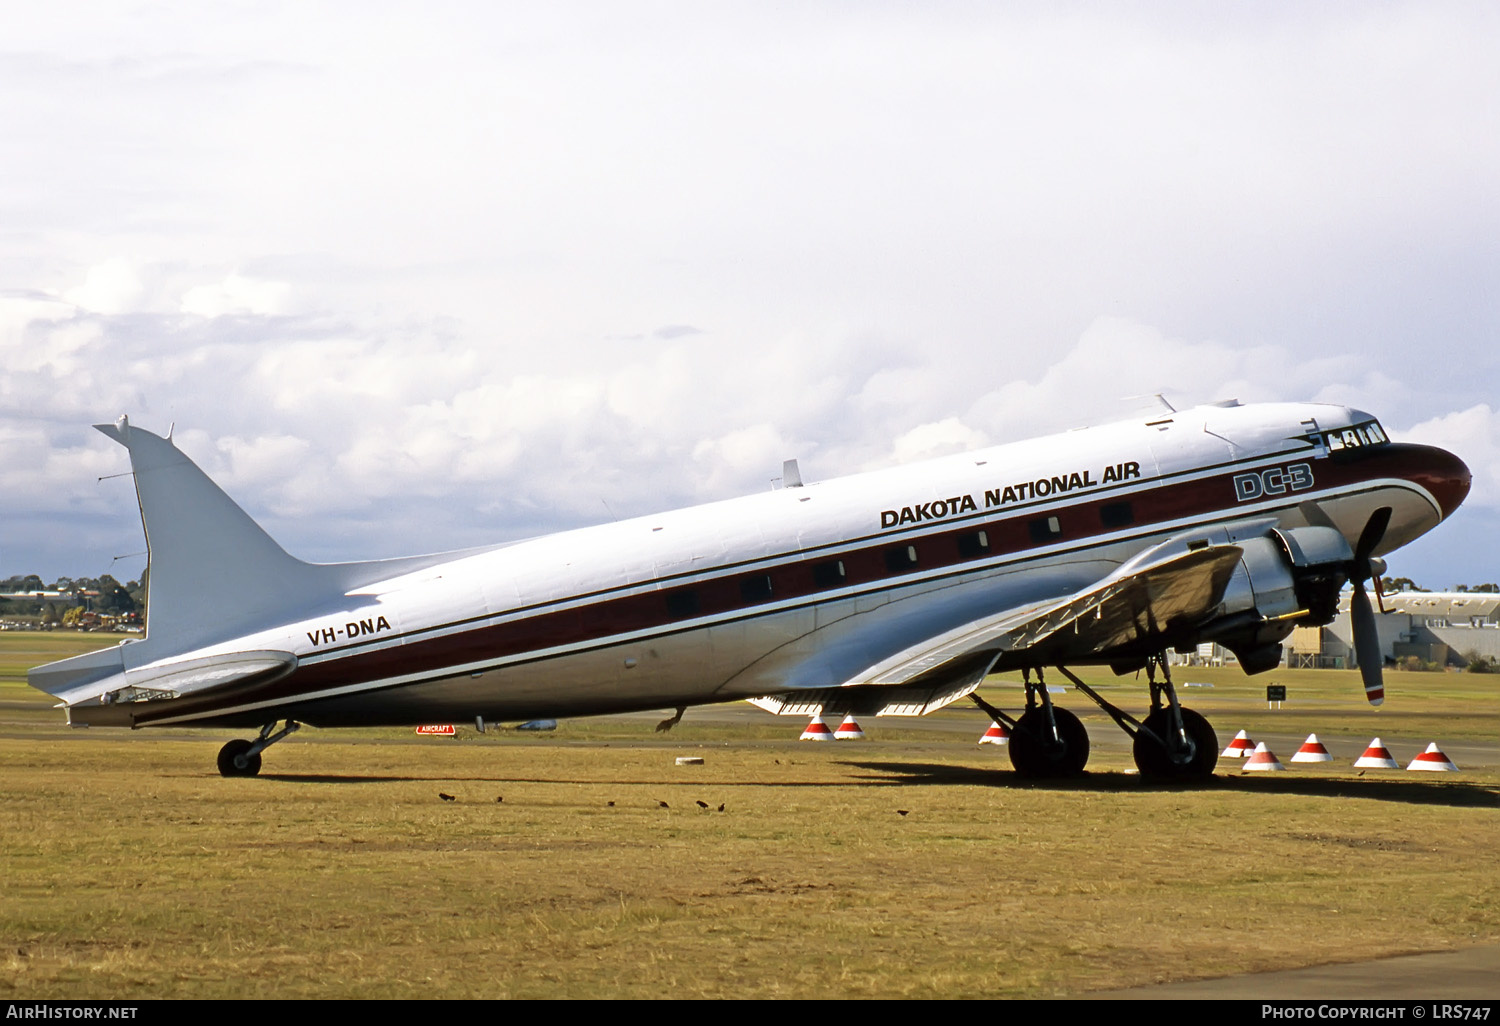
x,y
892,592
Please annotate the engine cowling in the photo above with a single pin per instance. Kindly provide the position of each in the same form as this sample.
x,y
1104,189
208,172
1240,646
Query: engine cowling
x,y
1287,577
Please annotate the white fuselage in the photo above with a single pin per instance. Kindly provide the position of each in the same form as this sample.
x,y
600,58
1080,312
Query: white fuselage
x,y
802,586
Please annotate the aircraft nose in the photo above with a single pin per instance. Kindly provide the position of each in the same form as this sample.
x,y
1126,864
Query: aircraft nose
x,y
1446,476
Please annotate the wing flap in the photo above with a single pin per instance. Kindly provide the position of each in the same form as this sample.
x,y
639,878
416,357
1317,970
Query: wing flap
x,y
1139,603
956,680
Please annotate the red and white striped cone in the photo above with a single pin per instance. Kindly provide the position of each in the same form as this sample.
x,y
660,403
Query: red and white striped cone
x,y
849,730
1263,760
1312,750
996,735
1433,759
1376,756
817,730
1240,747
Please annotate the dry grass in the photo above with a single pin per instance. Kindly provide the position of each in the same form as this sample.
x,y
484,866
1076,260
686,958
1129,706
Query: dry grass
x,y
132,870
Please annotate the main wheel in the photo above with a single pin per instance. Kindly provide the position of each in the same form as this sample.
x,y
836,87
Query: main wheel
x,y
1035,754
234,762
1195,763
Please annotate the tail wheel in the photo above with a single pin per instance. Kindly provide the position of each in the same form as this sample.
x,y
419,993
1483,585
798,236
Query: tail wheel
x,y
234,760
1034,753
1195,761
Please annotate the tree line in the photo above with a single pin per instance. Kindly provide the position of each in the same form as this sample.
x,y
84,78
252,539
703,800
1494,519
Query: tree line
x,y
71,601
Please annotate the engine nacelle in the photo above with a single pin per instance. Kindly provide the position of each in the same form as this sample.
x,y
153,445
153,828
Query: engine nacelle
x,y
1286,578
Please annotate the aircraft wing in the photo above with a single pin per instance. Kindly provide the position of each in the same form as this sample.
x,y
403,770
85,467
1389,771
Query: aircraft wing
x,y
1138,604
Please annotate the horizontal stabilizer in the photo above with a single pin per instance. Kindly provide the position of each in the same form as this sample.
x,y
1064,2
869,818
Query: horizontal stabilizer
x,y
92,680
191,675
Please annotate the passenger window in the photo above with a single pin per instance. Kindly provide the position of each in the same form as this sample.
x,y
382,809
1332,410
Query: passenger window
x,y
828,575
974,544
756,588
1116,514
682,604
902,557
1045,530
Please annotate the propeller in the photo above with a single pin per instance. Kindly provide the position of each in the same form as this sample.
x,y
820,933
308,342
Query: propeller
x,y
1366,637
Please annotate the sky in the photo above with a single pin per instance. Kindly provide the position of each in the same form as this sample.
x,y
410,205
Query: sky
x,y
405,278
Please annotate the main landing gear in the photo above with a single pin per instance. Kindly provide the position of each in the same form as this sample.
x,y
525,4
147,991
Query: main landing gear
x,y
241,758
1047,742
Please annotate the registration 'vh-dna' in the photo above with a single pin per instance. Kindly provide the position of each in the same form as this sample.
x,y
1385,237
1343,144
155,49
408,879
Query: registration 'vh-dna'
x,y
887,593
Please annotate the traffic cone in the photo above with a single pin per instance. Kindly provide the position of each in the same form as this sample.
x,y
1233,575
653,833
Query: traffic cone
x,y
996,735
1432,759
1376,757
1263,760
817,730
1312,750
849,730
1240,747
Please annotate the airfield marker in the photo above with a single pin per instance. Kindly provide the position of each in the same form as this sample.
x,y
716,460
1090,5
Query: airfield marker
x,y
1433,759
1376,757
1312,750
849,730
817,730
1239,748
1264,760
996,735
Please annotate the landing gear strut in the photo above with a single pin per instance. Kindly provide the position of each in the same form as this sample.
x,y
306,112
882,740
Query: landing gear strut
x,y
241,758
1174,743
1047,742
1186,753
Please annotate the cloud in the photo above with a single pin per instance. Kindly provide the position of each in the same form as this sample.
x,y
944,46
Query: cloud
x,y
236,294
460,277
111,287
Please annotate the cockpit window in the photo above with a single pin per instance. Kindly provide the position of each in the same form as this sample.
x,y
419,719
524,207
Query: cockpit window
x,y
1357,437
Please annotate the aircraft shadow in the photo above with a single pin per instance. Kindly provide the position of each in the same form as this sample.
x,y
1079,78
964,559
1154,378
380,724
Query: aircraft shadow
x,y
439,778
1455,794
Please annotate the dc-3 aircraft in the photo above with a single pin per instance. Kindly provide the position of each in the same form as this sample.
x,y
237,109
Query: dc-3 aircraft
x,y
892,592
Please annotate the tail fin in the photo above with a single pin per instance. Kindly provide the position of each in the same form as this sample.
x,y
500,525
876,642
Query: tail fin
x,y
213,572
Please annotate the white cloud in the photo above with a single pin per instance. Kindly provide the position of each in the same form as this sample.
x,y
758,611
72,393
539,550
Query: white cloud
x,y
111,287
926,441
236,294
440,269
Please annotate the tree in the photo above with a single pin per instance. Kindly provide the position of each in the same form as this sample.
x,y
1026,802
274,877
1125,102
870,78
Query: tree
x,y
113,597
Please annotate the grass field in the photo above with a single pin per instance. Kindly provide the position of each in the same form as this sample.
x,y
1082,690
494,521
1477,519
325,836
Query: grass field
x,y
914,864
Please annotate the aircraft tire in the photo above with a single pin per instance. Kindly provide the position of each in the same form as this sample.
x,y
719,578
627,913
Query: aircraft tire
x,y
1035,755
232,750
1154,761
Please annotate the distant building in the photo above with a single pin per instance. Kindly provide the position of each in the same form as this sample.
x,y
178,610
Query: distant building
x,y
1436,627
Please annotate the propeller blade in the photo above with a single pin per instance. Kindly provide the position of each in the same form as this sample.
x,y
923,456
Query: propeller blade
x,y
1369,538
1367,645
